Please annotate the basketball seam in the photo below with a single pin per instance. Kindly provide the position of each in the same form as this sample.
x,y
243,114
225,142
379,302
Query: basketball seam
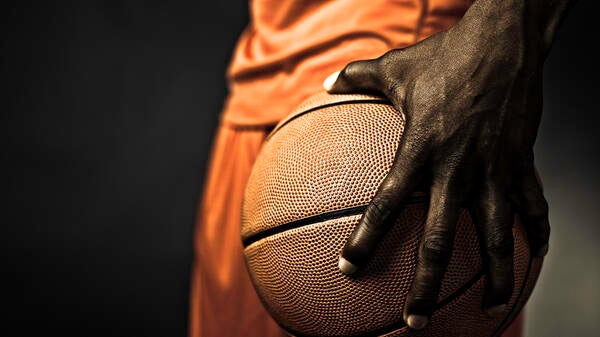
x,y
401,324
512,314
363,101
347,212
340,213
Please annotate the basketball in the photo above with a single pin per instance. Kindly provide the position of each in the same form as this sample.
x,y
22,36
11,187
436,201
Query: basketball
x,y
316,173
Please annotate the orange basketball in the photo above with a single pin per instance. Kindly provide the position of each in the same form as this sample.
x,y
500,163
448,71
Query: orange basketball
x,y
315,175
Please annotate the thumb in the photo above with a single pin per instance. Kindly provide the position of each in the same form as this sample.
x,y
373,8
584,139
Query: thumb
x,y
356,77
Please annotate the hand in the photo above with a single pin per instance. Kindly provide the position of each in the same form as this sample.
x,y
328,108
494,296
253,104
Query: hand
x,y
472,99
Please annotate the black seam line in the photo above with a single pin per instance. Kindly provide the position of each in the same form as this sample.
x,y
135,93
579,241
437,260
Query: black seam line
x,y
363,101
318,218
461,291
401,324
512,314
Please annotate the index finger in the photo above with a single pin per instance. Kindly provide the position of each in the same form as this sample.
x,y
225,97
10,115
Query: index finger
x,y
385,205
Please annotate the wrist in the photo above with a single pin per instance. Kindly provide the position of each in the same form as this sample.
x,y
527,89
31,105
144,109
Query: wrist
x,y
535,21
510,29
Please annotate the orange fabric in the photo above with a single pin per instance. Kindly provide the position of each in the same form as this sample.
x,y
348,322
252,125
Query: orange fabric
x,y
291,46
223,301
281,58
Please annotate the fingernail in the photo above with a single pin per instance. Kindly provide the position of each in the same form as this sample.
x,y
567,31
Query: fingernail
x,y
543,250
330,80
417,322
496,310
346,266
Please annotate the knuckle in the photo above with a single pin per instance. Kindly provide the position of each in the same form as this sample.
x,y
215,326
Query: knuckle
x,y
542,234
421,298
500,245
437,247
546,232
538,210
447,185
392,68
542,207
502,282
378,211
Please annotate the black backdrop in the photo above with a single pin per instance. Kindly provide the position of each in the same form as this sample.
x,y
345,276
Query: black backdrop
x,y
111,109
108,110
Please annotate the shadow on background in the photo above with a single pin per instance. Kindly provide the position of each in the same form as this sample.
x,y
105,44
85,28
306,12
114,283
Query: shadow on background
x,y
108,113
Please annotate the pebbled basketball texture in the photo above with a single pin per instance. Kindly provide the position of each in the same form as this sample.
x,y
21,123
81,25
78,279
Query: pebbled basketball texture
x,y
312,180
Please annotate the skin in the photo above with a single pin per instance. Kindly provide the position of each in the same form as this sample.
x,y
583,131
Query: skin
x,y
472,97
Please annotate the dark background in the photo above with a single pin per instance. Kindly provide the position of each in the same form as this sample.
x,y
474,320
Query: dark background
x,y
108,109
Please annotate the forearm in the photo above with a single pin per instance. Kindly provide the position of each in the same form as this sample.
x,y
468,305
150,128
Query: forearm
x,y
535,21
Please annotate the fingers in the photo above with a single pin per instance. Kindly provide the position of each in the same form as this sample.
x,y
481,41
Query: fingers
x,y
434,254
493,217
381,211
533,211
358,76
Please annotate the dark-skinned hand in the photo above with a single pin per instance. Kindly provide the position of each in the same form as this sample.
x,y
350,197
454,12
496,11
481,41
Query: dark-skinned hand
x,y
472,98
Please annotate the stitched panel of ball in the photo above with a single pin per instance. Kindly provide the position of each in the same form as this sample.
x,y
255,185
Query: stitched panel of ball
x,y
324,161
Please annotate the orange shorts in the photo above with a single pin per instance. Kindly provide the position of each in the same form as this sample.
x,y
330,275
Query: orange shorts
x,y
223,301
